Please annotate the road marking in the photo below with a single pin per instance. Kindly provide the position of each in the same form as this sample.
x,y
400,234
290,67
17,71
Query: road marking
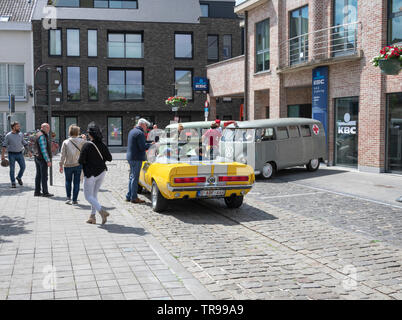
x,y
292,195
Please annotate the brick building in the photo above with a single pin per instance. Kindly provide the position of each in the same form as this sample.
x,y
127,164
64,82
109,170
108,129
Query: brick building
x,y
120,60
291,45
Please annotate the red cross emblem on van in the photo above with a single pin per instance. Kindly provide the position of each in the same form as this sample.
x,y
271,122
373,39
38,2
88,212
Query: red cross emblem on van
x,y
316,129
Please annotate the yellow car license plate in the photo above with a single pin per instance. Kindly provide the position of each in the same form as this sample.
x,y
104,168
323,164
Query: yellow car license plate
x,y
211,193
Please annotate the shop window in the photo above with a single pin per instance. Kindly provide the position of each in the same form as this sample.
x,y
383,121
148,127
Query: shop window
x,y
115,130
68,121
183,83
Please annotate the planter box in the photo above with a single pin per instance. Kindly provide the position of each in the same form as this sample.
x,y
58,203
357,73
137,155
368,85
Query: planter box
x,y
390,67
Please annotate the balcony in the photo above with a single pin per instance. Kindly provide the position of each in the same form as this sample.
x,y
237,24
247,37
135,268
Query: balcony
x,y
325,46
125,92
19,90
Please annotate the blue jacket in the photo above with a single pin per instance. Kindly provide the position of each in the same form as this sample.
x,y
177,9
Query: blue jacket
x,y
136,145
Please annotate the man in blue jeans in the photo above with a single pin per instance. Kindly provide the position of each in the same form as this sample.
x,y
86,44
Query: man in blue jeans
x,y
15,144
136,147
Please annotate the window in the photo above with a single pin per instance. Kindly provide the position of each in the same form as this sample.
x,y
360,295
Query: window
x,y
345,33
294,132
125,45
183,45
73,42
12,81
125,84
213,47
55,42
92,83
300,111
204,10
305,130
282,133
116,4
68,121
66,3
395,21
183,83
73,84
21,117
262,46
114,131
92,43
227,46
60,87
266,134
267,112
298,47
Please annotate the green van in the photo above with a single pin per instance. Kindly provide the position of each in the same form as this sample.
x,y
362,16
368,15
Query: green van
x,y
269,145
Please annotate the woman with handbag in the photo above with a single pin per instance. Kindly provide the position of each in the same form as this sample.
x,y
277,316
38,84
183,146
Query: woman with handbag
x,y
93,156
70,153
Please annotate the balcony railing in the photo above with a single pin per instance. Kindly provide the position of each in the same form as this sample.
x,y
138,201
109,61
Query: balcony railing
x,y
338,41
19,90
125,92
121,49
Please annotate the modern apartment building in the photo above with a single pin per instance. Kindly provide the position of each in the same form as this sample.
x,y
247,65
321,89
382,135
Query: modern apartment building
x,y
311,58
16,62
120,60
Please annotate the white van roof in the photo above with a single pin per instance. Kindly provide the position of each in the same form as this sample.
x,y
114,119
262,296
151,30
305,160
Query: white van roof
x,y
268,123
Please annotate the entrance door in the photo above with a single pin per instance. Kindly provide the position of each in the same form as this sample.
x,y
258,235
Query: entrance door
x,y
346,135
394,139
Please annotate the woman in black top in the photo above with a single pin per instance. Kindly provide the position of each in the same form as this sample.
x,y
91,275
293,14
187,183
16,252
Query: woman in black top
x,y
93,156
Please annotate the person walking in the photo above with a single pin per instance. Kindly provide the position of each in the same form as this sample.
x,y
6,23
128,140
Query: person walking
x,y
43,153
70,153
93,157
15,144
136,147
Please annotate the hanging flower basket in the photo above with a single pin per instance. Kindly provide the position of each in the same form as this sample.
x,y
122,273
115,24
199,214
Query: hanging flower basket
x,y
176,102
389,60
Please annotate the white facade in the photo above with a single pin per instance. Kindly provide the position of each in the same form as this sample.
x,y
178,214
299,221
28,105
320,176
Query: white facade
x,y
16,73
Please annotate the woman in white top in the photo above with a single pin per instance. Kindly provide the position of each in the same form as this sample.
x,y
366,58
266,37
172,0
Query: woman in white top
x,y
70,153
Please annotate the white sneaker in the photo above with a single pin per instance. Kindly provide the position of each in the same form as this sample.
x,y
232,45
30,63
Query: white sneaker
x,y
68,201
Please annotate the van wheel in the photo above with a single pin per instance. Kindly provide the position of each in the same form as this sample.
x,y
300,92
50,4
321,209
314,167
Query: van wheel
x,y
313,165
159,203
234,202
268,170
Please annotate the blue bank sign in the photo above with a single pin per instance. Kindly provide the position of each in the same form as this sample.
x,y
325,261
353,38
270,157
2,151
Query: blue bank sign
x,y
320,96
200,84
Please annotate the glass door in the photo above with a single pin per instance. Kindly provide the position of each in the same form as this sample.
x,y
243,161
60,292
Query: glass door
x,y
346,135
298,46
394,138
344,34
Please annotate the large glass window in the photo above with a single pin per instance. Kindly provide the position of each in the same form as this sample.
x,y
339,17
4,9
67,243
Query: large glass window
x,y
125,45
213,47
12,81
183,45
92,43
298,46
73,84
92,83
66,3
73,42
346,135
183,83
227,46
125,84
68,121
262,46
395,21
114,131
55,42
21,117
116,4
345,33
394,139
204,10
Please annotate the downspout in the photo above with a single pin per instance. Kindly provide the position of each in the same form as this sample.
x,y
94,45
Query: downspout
x,y
245,104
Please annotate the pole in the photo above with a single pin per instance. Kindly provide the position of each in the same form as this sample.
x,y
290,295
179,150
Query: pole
x,y
49,117
9,113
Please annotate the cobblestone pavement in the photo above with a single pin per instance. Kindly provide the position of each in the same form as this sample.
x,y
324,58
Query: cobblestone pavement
x,y
287,241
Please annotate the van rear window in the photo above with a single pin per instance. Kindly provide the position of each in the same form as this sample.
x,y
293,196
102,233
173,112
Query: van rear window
x,y
294,132
305,131
282,133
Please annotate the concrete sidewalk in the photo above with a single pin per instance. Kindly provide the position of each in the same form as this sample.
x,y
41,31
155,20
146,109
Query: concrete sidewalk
x,y
47,251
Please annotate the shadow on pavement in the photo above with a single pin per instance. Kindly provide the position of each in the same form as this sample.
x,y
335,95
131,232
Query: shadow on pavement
x,y
11,227
88,207
121,229
298,173
6,190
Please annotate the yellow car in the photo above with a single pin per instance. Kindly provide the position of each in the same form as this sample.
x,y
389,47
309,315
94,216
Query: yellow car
x,y
189,179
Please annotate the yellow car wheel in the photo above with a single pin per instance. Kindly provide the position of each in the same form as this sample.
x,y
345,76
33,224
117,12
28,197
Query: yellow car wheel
x,y
234,202
159,203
